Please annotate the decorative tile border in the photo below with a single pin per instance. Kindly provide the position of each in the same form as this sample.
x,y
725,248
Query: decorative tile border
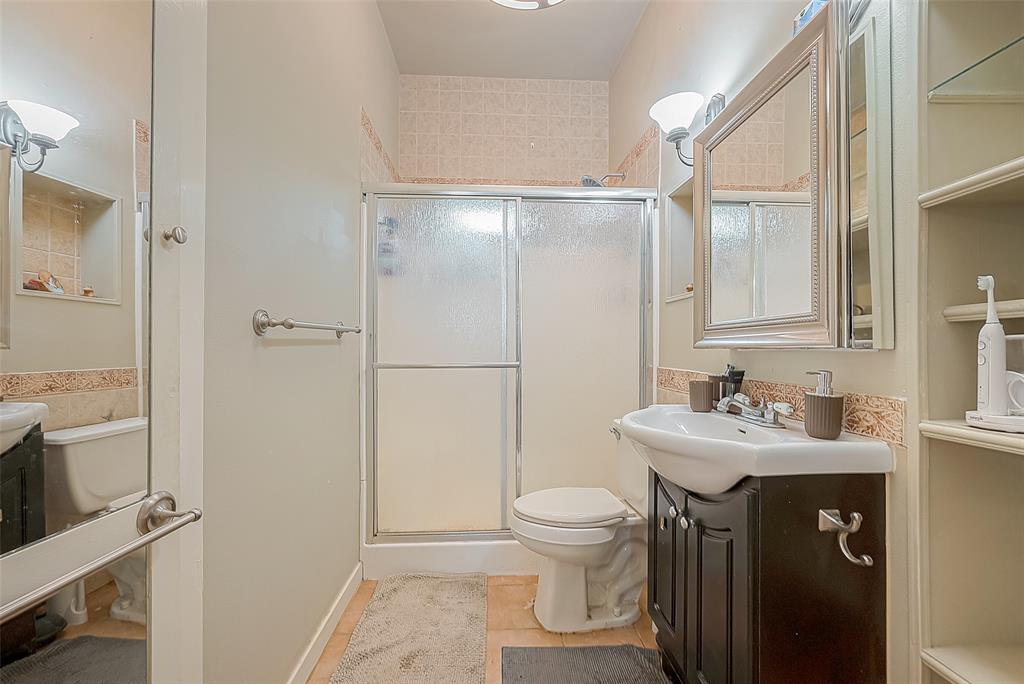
x,y
647,138
865,414
378,145
20,385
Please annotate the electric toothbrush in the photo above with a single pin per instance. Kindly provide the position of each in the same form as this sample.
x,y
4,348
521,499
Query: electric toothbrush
x,y
992,396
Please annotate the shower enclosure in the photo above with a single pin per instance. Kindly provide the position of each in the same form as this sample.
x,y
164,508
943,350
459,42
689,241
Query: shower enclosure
x,y
507,327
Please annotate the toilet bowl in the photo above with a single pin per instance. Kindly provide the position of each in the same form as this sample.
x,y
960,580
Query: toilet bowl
x,y
594,548
97,468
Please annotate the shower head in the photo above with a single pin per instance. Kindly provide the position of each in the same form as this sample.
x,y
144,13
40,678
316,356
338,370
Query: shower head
x,y
591,182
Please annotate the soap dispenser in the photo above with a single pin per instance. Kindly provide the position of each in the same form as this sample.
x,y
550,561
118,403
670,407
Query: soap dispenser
x,y
823,410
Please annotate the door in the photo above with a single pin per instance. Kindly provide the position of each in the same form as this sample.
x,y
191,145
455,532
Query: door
x,y
117,296
445,363
720,577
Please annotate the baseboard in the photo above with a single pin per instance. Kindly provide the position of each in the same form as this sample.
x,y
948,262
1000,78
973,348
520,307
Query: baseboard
x,y
316,645
495,557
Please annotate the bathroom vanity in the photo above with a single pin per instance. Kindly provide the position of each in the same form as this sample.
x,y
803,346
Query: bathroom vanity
x,y
743,586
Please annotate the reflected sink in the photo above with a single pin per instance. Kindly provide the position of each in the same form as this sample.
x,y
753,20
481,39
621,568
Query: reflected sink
x,y
17,419
708,453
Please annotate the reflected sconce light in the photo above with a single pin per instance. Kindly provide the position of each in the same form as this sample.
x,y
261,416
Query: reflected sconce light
x,y
527,4
675,114
24,124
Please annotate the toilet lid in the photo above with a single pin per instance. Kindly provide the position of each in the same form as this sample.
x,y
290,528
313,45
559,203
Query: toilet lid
x,y
571,507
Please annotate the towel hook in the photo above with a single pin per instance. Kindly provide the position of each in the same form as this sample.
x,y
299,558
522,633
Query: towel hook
x,y
831,520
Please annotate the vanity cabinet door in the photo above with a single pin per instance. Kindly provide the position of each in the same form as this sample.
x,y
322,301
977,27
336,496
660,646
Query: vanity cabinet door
x,y
720,588
665,550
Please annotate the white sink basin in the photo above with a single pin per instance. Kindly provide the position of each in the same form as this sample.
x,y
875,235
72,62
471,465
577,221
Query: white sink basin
x,y
17,419
708,453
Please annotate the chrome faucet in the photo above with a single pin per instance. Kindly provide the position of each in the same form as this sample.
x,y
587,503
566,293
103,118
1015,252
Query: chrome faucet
x,y
765,414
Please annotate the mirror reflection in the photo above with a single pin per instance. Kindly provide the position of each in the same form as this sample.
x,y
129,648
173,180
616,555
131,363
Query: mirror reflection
x,y
870,174
74,169
761,234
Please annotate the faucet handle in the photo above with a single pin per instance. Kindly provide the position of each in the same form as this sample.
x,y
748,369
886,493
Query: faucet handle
x,y
782,408
742,398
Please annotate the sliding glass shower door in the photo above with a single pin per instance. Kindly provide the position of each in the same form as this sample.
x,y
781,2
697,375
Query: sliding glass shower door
x,y
506,332
446,363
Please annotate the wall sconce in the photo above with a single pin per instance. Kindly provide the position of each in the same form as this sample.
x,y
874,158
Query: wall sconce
x,y
527,4
674,115
23,124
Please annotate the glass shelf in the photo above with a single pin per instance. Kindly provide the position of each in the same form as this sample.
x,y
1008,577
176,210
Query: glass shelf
x,y
997,78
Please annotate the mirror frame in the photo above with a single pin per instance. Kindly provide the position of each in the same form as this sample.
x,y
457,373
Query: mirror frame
x,y
814,48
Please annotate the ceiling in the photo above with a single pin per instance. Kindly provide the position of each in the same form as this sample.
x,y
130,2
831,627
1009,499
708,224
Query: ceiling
x,y
576,39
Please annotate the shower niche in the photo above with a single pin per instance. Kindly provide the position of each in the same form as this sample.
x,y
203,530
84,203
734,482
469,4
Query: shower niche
x,y
69,240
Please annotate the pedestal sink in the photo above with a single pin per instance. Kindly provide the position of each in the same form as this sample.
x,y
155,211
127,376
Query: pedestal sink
x,y
708,453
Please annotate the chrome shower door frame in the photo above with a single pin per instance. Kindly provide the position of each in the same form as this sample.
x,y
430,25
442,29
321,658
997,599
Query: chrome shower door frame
x,y
514,194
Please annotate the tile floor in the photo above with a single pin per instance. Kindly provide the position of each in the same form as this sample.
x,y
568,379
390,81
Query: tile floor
x,y
100,623
510,622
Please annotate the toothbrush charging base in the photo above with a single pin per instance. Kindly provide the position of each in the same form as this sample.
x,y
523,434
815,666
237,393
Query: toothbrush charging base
x,y
1000,423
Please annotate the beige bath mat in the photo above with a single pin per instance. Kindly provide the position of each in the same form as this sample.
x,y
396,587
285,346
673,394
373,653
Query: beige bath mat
x,y
420,628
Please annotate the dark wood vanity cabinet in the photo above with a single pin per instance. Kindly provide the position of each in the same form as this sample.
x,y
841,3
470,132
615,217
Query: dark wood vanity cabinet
x,y
744,588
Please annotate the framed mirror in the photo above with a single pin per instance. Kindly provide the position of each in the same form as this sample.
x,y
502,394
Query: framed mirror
x,y
766,209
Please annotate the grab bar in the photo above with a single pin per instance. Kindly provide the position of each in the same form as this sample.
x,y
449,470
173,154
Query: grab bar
x,y
157,506
261,322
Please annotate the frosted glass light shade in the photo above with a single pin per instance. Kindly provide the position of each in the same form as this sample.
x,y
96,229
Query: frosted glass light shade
x,y
42,120
676,111
527,4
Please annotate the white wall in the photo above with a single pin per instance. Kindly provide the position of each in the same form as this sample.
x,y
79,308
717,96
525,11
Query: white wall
x,y
285,85
92,60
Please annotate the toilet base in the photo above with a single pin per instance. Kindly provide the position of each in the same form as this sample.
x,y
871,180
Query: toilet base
x,y
561,604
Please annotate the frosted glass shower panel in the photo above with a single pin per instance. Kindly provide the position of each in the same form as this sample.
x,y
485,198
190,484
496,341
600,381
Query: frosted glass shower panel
x,y
443,265
581,345
784,257
732,262
444,448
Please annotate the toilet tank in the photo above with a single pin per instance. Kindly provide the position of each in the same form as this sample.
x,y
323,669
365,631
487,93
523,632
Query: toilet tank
x,y
90,466
631,472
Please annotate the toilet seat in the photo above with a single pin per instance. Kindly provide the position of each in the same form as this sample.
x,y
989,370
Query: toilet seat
x,y
571,507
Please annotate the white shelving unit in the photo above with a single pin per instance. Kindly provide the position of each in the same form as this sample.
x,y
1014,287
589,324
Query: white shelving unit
x,y
971,550
977,664
959,432
959,313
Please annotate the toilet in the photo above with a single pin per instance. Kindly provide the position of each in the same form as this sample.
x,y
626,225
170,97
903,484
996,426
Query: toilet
x,y
594,547
96,468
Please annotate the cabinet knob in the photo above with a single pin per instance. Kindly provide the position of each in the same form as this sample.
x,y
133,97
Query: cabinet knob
x,y
685,522
672,512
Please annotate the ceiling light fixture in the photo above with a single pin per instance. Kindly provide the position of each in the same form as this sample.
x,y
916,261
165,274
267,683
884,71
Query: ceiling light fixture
x,y
527,4
674,115
23,124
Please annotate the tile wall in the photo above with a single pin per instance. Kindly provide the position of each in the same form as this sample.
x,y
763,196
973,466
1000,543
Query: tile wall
x,y
870,415
501,130
643,163
76,397
51,239
375,163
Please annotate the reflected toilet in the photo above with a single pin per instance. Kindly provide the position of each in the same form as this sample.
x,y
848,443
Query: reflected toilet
x,y
97,468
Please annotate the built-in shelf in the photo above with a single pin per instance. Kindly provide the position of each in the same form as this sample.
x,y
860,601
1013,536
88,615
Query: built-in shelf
x,y
1011,308
997,78
859,222
1002,184
960,432
1002,664
862,321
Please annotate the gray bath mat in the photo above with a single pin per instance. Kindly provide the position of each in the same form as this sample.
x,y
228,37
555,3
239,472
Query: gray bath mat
x,y
85,660
420,628
581,665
